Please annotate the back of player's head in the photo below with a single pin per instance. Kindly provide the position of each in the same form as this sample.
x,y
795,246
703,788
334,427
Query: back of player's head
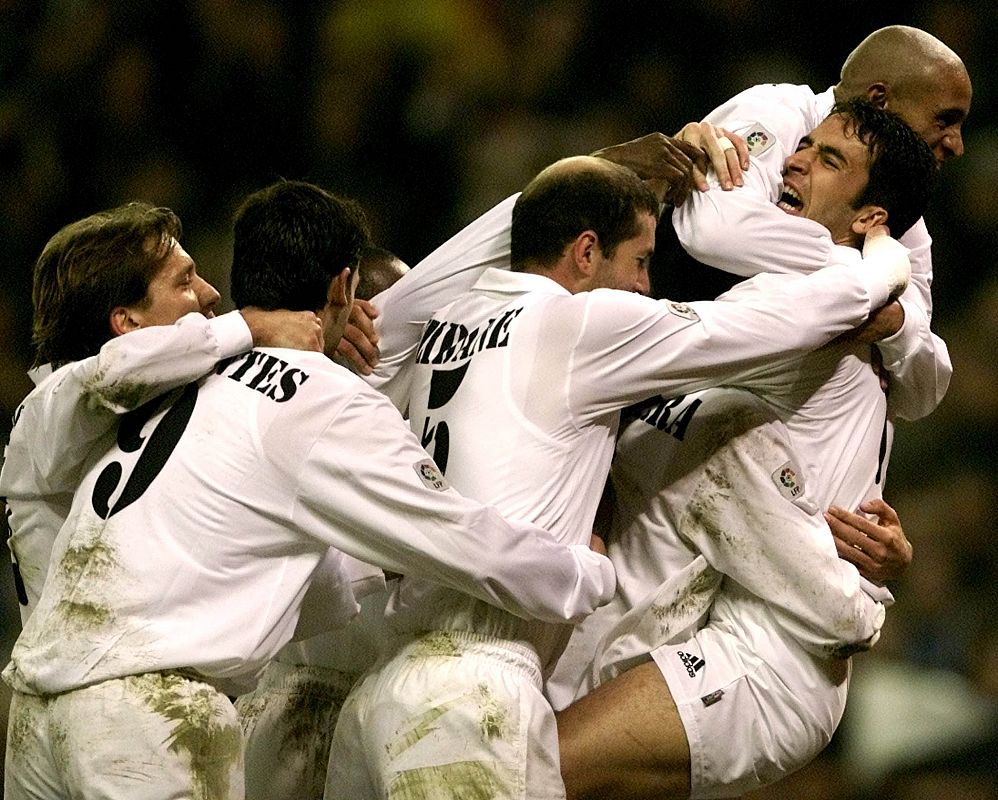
x,y
379,269
291,240
90,267
899,56
902,166
570,197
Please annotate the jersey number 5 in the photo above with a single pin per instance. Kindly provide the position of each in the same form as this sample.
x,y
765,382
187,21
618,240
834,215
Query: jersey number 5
x,y
444,384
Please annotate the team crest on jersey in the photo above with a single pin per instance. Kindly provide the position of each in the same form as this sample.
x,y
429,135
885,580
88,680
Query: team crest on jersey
x,y
790,481
430,474
684,311
758,140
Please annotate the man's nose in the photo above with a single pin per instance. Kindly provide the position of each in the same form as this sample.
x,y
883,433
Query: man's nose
x,y
952,145
207,295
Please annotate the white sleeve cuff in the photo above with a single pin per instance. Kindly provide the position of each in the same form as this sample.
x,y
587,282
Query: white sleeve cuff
x,y
231,333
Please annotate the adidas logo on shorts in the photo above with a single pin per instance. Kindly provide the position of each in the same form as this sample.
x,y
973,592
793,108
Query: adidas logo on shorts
x,y
692,663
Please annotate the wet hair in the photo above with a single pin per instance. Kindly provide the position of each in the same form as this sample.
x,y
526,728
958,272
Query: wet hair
x,y
559,204
291,240
902,166
90,267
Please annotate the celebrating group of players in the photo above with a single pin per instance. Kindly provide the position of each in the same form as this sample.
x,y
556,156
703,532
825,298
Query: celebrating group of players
x,y
248,570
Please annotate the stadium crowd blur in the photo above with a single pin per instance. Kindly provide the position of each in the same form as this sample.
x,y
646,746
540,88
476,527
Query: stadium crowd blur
x,y
429,112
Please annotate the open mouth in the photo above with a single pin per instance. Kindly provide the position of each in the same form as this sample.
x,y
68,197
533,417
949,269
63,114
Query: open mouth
x,y
790,201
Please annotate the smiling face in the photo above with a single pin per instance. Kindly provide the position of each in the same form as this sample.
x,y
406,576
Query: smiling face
x,y
176,290
823,178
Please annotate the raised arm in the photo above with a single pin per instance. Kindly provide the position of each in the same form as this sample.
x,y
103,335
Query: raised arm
x,y
636,348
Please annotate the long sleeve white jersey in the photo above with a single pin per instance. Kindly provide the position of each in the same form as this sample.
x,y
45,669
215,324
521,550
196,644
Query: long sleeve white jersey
x,y
517,385
773,118
446,273
190,543
70,417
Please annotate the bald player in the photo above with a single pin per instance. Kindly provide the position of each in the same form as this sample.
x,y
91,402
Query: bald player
x,y
912,73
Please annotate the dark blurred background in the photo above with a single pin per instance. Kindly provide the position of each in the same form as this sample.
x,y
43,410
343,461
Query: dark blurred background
x,y
429,112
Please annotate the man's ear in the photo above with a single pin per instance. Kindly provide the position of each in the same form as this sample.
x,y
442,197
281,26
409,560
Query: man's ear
x,y
123,320
339,289
876,93
868,217
584,253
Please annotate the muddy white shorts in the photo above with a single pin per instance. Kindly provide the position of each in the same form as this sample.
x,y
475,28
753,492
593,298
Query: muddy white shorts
x,y
449,715
751,716
142,737
288,723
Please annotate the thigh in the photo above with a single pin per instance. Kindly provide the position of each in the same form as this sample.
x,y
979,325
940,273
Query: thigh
x,y
288,723
149,737
625,739
30,771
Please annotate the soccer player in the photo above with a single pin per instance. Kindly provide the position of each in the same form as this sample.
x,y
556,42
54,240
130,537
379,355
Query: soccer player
x,y
288,719
517,387
184,559
907,71
118,271
729,484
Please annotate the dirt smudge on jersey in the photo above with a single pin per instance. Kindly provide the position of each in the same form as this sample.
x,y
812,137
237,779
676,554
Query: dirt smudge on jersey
x,y
199,729
86,571
691,600
469,780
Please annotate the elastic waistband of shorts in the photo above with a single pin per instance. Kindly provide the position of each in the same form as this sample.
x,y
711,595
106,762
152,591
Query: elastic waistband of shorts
x,y
281,677
518,656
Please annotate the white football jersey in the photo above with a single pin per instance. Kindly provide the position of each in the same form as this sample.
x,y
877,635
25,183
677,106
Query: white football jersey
x,y
516,388
190,542
69,419
773,118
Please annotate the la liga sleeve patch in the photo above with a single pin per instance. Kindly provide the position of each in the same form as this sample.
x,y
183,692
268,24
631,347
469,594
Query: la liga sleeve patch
x,y
790,481
758,139
430,474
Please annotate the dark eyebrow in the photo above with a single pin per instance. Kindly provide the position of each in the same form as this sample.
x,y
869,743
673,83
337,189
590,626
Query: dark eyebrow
x,y
834,153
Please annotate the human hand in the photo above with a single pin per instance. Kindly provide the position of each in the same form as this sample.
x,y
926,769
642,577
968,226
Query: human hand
x,y
358,347
728,158
666,163
879,549
298,330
